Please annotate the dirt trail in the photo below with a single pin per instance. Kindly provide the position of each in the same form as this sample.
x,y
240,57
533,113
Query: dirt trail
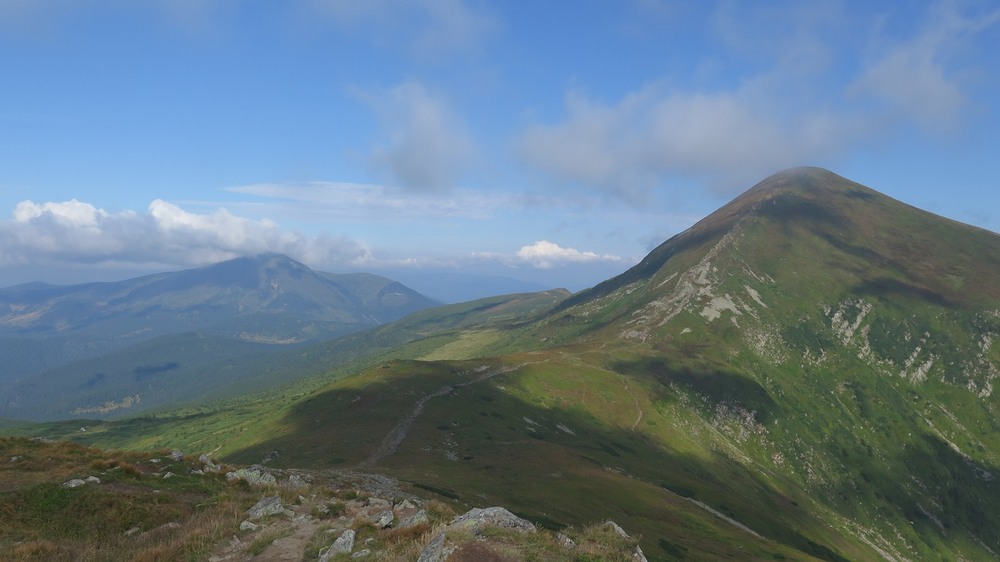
x,y
391,442
638,407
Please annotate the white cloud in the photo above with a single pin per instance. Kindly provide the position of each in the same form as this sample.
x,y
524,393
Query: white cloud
x,y
917,78
724,138
426,146
73,232
544,255
790,91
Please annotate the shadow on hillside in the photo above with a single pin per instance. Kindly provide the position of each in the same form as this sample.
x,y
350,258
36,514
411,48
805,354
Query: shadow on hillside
x,y
556,464
714,385
938,491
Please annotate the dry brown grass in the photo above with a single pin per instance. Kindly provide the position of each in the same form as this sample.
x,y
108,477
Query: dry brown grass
x,y
479,552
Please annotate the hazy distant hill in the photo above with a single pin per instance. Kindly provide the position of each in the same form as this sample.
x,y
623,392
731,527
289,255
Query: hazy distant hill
x,y
806,374
464,287
106,347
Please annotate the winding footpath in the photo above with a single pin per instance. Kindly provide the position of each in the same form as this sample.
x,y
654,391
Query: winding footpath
x,y
391,442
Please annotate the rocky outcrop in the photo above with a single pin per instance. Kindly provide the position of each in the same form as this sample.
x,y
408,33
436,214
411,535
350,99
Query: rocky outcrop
x,y
271,505
477,519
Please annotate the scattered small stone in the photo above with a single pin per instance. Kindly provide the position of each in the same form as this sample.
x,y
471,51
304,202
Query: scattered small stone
x,y
156,461
248,526
74,483
132,531
15,458
198,472
361,554
176,455
168,475
296,482
271,505
92,480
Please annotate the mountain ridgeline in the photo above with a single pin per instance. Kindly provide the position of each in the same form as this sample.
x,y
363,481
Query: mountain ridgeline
x,y
102,348
806,374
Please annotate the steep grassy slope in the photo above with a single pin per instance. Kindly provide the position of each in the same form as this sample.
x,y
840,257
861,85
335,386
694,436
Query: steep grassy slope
x,y
805,374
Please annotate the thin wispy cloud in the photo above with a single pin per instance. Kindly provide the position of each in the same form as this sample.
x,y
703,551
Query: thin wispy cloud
x,y
426,27
918,78
796,105
373,202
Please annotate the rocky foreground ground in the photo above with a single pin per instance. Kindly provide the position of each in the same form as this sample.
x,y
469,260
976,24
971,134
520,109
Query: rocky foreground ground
x,y
60,501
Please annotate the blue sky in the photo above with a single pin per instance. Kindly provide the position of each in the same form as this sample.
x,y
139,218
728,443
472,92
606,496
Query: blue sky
x,y
554,142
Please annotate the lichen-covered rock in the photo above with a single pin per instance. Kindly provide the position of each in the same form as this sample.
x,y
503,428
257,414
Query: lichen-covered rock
x,y
253,476
476,519
74,483
617,529
343,545
209,465
564,541
434,551
415,519
383,519
271,505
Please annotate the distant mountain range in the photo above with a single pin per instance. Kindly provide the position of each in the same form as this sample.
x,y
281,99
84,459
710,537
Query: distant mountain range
x,y
806,374
103,347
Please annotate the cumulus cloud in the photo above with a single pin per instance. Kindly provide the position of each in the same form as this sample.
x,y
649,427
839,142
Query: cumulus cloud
x,y
916,77
74,232
545,255
426,146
